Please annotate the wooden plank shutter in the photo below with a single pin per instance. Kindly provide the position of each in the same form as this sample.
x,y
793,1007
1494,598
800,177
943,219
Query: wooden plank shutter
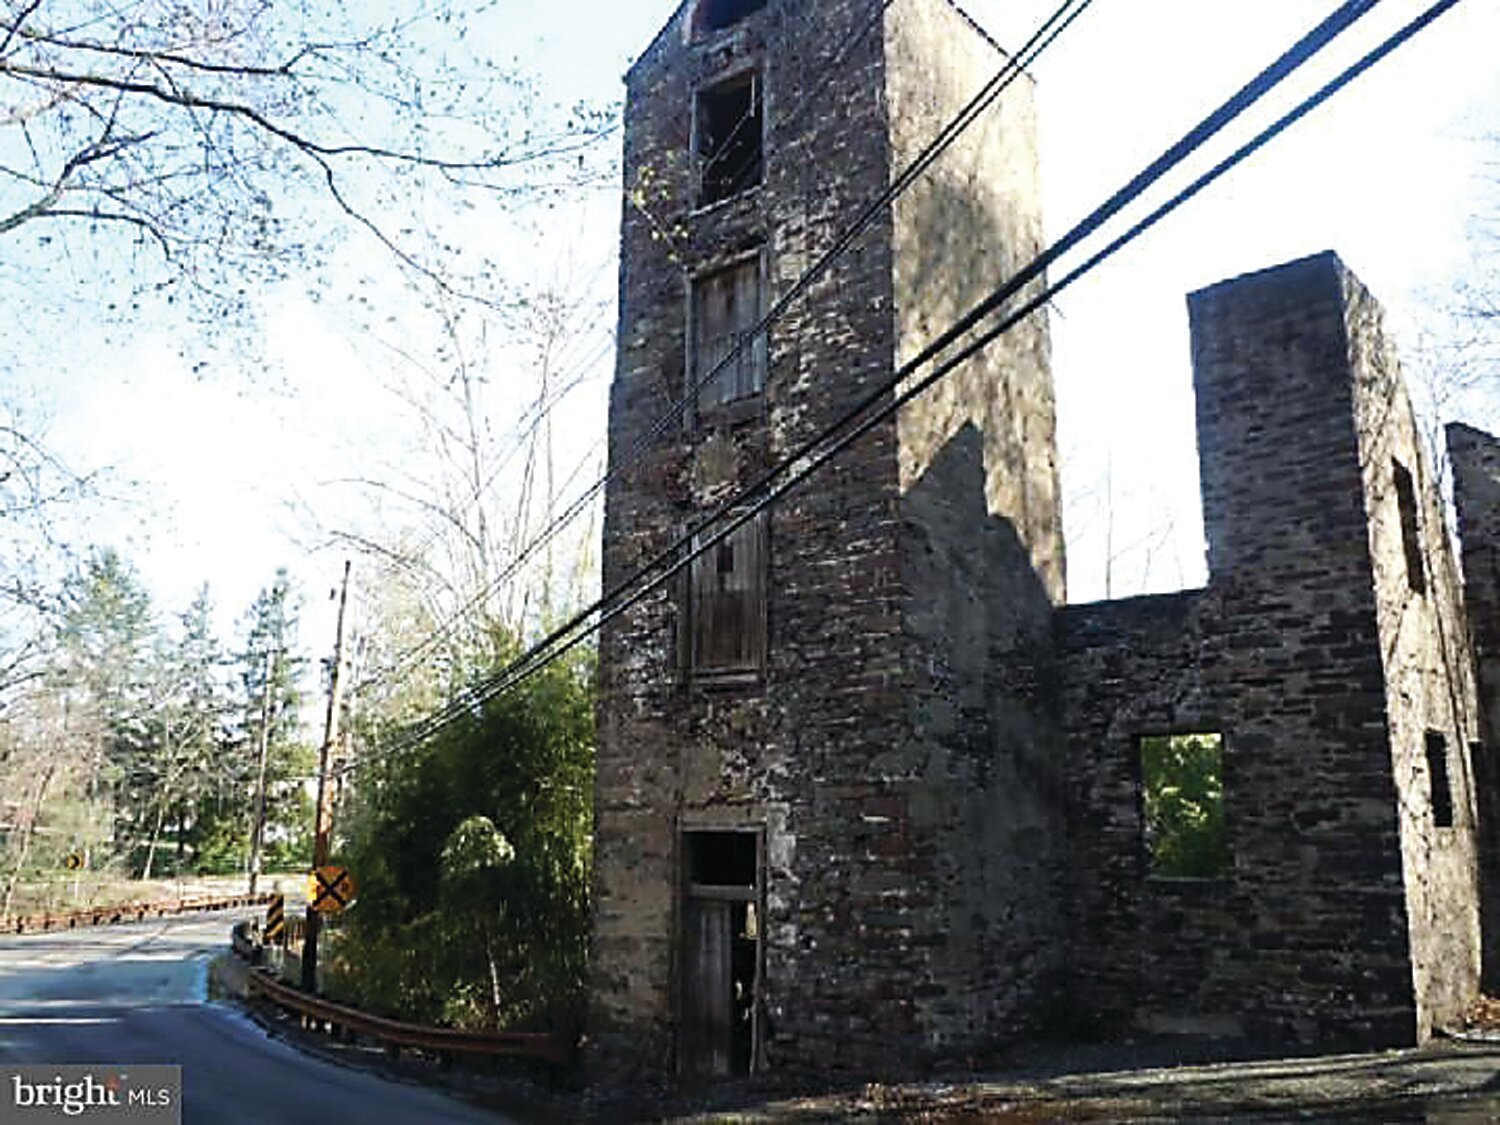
x,y
714,338
726,305
729,601
703,608
744,312
708,988
727,578
685,622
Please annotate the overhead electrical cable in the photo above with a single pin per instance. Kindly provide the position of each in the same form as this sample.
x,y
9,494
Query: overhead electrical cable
x,y
813,455
1042,38
407,659
810,458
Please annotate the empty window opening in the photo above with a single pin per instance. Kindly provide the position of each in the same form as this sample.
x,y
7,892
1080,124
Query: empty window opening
x,y
714,15
721,954
1437,775
1411,538
721,859
726,610
728,132
725,360
1182,805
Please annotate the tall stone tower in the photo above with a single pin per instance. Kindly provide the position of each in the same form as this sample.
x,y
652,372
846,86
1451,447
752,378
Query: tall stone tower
x,y
829,799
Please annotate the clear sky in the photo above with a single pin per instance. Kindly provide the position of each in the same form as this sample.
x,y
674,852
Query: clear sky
x,y
1385,176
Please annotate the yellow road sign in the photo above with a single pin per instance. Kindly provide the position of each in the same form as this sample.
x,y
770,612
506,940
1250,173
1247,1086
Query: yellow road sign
x,y
330,889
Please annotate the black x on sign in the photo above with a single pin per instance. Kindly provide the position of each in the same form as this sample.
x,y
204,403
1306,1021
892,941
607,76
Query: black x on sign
x,y
330,889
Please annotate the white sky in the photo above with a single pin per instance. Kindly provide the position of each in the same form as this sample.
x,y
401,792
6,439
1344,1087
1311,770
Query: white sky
x,y
1383,176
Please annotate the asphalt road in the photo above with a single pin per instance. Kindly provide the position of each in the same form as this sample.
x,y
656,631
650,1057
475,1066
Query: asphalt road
x,y
137,995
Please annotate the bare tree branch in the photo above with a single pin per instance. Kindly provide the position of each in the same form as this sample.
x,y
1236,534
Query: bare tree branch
x,y
14,27
188,99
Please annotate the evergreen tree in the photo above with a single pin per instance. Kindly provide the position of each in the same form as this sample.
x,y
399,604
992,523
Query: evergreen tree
x,y
271,631
104,674
184,771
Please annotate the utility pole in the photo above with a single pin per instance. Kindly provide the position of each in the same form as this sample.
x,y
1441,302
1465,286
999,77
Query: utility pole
x,y
323,824
257,833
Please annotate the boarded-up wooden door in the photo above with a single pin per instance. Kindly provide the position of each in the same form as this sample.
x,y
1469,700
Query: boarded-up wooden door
x,y
708,988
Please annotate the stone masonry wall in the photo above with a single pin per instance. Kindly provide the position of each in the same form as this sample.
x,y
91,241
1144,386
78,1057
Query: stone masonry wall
x,y
945,767
675,753
1429,676
1475,456
1143,949
980,548
869,949
1308,935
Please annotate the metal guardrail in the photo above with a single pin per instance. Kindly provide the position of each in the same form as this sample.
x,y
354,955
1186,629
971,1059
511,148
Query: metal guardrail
x,y
127,912
551,1049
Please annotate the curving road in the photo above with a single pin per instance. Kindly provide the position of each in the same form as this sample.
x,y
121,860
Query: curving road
x,y
137,995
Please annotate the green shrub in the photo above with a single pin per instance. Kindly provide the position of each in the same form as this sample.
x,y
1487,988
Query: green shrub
x,y
472,854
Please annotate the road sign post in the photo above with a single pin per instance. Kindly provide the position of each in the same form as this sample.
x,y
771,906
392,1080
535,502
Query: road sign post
x,y
323,811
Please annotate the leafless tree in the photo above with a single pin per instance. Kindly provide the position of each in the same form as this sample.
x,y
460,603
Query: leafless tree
x,y
38,757
168,158
454,527
36,489
194,147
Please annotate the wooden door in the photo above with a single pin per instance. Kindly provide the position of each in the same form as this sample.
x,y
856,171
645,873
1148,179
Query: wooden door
x,y
707,1032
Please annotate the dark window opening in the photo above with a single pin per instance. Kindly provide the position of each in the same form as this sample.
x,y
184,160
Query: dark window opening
x,y
1411,538
729,138
714,15
721,955
1182,805
727,305
721,859
1437,775
726,611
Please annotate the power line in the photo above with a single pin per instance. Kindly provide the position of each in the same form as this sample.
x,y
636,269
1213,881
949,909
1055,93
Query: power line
x,y
829,71
405,660
809,458
1041,39
815,459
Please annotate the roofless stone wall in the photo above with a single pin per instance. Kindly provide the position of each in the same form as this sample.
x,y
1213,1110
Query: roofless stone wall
x,y
890,758
867,798
1348,914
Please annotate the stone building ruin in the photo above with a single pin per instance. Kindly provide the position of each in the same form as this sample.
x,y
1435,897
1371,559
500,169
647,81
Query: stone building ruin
x,y
870,794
